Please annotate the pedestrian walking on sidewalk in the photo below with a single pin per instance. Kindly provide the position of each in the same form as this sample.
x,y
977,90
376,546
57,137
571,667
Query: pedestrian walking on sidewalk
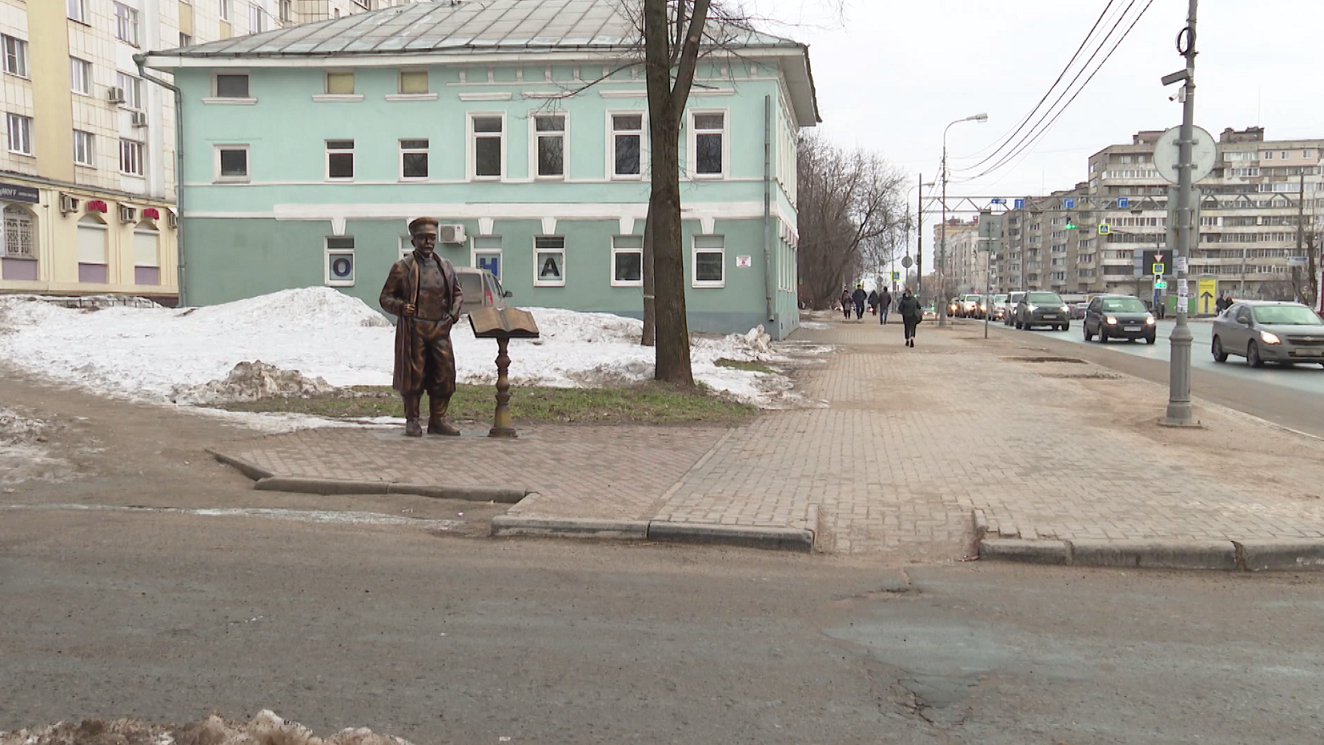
x,y
911,315
859,296
884,305
846,302
873,301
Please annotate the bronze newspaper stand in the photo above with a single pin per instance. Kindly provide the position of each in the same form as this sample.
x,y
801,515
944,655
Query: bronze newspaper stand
x,y
503,325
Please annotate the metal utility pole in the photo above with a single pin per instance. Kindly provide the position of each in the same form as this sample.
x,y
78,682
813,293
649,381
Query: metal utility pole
x,y
1179,412
919,246
942,255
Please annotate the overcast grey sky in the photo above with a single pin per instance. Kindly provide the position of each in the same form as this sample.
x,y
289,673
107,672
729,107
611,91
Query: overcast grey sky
x,y
897,71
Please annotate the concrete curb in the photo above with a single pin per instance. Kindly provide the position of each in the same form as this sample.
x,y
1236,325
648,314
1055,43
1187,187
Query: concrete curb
x,y
501,495
775,539
569,528
243,466
1228,556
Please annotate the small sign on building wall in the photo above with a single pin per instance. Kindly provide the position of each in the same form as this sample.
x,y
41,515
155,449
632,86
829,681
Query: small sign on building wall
x,y
744,262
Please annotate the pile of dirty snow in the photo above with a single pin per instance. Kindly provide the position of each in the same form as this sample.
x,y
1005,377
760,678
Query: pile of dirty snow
x,y
25,453
313,337
265,729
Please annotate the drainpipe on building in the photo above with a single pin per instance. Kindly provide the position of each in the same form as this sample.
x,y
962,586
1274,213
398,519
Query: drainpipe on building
x,y
767,205
141,59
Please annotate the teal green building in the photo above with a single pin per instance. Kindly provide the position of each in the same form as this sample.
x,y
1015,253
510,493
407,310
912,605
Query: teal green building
x,y
521,124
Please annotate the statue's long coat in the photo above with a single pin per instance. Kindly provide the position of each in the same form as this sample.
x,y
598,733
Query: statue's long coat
x,y
401,288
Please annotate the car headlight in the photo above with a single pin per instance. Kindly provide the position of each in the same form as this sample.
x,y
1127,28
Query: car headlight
x,y
1150,320
1033,308
1269,338
1065,309
1112,321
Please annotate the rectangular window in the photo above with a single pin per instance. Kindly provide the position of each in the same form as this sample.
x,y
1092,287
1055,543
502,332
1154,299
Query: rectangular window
x,y
80,76
709,261
708,147
340,83
223,9
284,11
133,91
549,261
231,85
131,158
550,134
627,261
20,134
340,160
627,145
1266,156
126,24
1284,155
488,146
185,40
413,81
16,56
487,254
256,21
340,261
84,155
77,10
413,159
232,163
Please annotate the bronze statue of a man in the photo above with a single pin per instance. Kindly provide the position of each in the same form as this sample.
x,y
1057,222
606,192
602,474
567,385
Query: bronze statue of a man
x,y
423,291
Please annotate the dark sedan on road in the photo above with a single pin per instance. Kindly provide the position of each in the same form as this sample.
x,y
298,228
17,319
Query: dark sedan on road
x,y
1042,309
1264,331
1119,317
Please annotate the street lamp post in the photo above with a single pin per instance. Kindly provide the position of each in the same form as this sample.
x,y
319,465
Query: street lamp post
x,y
1180,412
919,235
942,262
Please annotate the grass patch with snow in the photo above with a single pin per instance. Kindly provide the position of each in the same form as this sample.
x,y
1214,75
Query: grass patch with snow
x,y
746,365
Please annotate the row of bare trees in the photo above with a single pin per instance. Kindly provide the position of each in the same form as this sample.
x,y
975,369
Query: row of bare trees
x,y
852,217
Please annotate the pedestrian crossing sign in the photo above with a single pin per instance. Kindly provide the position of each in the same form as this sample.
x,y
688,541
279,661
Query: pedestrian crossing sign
x,y
1105,228
896,276
1159,270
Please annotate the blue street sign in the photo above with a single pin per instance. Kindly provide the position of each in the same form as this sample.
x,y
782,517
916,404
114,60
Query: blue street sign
x,y
1019,204
997,200
1123,203
1068,204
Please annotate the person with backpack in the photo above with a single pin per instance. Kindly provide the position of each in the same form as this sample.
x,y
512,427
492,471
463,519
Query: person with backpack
x,y
911,315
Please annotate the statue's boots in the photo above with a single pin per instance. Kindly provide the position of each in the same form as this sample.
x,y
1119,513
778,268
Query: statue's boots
x,y
412,428
437,425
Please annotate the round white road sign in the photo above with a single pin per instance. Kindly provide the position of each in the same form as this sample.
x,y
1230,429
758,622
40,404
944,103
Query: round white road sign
x,y
907,263
1167,154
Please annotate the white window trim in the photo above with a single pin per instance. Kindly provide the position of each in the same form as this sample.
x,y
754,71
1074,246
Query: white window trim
x,y
333,97
612,268
142,157
87,79
135,24
471,148
412,96
537,264
82,12
326,83
475,251
9,136
92,149
533,145
217,99
25,58
645,159
400,76
327,251
216,165
402,150
691,159
694,265
223,10
137,89
326,161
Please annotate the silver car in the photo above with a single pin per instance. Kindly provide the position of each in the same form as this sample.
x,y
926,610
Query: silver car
x,y
1266,331
1013,299
481,289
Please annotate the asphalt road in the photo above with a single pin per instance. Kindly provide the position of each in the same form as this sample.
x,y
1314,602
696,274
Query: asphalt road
x,y
1289,396
167,616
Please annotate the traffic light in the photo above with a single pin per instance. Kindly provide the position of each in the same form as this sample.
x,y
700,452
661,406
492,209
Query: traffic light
x,y
1071,223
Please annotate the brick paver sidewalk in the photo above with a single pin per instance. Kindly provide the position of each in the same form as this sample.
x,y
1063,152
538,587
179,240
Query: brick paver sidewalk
x,y
903,449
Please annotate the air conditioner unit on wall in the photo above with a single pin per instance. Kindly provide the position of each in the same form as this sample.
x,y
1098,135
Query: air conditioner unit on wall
x,y
139,119
115,95
172,219
68,203
128,214
450,234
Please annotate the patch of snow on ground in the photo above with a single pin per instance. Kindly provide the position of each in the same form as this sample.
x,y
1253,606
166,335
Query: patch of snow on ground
x,y
24,455
265,729
164,354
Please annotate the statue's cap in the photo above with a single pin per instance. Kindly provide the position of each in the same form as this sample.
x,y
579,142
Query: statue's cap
x,y
421,224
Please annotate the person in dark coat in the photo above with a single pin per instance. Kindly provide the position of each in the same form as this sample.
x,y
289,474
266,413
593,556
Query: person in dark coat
x,y
911,315
423,291
884,305
846,302
873,301
859,296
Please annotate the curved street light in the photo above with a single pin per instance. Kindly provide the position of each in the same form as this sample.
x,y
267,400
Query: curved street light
x,y
942,266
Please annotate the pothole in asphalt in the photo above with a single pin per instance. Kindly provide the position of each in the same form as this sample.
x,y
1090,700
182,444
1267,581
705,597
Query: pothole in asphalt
x,y
1070,360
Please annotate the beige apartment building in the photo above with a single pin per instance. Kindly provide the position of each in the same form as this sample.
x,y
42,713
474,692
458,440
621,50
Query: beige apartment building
x,y
87,177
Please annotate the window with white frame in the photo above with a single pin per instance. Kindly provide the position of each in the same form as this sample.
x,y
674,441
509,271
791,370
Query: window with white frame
x,y
708,144
231,163
709,261
549,261
340,160
284,11
80,76
185,40
16,55
77,10
363,4
487,254
256,19
20,133
223,9
488,146
340,83
230,85
1266,156
20,234
340,261
627,261
627,140
549,134
126,24
131,158
84,148
413,160
413,82
146,254
133,90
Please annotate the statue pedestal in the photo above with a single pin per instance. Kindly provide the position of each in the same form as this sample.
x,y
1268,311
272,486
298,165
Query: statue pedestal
x,y
503,325
501,419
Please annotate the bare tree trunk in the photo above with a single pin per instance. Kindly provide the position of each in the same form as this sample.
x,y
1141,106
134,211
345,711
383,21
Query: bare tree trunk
x,y
650,309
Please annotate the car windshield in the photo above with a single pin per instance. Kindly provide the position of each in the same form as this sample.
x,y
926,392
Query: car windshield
x,y
472,285
1287,315
1043,298
971,297
999,298
1123,305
